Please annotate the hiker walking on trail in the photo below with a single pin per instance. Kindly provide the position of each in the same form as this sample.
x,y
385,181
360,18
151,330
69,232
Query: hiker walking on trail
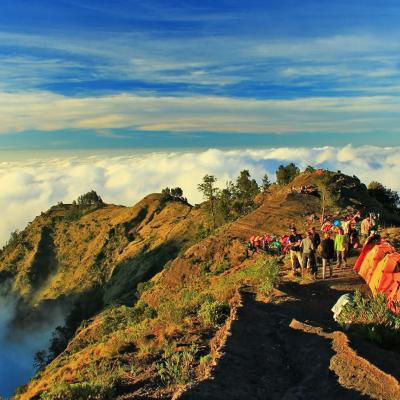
x,y
341,242
315,238
308,257
346,225
294,244
251,246
374,223
365,229
327,254
349,221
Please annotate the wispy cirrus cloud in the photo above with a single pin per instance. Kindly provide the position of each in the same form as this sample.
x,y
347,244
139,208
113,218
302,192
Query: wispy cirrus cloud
x,y
46,111
216,66
205,65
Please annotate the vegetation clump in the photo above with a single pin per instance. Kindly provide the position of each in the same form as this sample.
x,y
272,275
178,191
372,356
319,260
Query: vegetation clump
x,y
177,368
213,312
90,199
80,390
387,197
285,174
370,318
235,200
171,194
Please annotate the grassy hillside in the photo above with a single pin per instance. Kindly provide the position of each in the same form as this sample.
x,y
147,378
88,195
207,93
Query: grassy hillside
x,y
71,251
148,340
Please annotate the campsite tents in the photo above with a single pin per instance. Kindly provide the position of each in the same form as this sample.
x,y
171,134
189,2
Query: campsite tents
x,y
379,265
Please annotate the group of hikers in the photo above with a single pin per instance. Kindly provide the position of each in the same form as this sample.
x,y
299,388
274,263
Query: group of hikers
x,y
340,235
305,189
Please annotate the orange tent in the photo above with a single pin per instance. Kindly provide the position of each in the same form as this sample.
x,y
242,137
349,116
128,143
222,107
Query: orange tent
x,y
372,259
379,265
365,250
390,273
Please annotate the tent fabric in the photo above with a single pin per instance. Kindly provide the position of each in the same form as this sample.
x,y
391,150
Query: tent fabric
x,y
372,259
390,273
379,265
381,277
365,250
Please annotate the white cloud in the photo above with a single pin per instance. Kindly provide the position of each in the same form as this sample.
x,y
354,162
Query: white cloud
x,y
45,111
29,187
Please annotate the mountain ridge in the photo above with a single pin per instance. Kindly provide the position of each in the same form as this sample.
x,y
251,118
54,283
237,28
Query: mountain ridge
x,y
156,272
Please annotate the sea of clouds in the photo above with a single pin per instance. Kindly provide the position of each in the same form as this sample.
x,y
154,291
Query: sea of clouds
x,y
31,186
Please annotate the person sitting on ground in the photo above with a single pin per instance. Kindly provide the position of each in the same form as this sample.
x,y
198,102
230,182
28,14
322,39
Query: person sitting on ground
x,y
294,245
265,242
327,254
341,242
308,256
258,242
310,189
275,246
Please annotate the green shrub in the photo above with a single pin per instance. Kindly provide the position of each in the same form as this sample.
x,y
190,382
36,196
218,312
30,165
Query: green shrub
x,y
263,275
143,287
222,267
19,390
213,312
142,311
205,268
172,311
178,367
269,275
79,391
370,318
203,232
118,318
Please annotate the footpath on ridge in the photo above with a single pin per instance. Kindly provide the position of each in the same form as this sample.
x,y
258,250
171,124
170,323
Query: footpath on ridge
x,y
291,348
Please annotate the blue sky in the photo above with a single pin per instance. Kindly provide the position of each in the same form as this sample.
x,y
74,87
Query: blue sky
x,y
198,73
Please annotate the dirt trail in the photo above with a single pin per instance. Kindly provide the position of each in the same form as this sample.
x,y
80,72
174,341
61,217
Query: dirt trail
x,y
292,349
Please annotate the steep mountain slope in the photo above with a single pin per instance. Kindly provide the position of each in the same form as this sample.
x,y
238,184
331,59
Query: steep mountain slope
x,y
65,253
173,333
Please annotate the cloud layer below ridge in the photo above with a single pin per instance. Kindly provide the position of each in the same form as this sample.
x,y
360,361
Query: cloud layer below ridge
x,y
29,187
